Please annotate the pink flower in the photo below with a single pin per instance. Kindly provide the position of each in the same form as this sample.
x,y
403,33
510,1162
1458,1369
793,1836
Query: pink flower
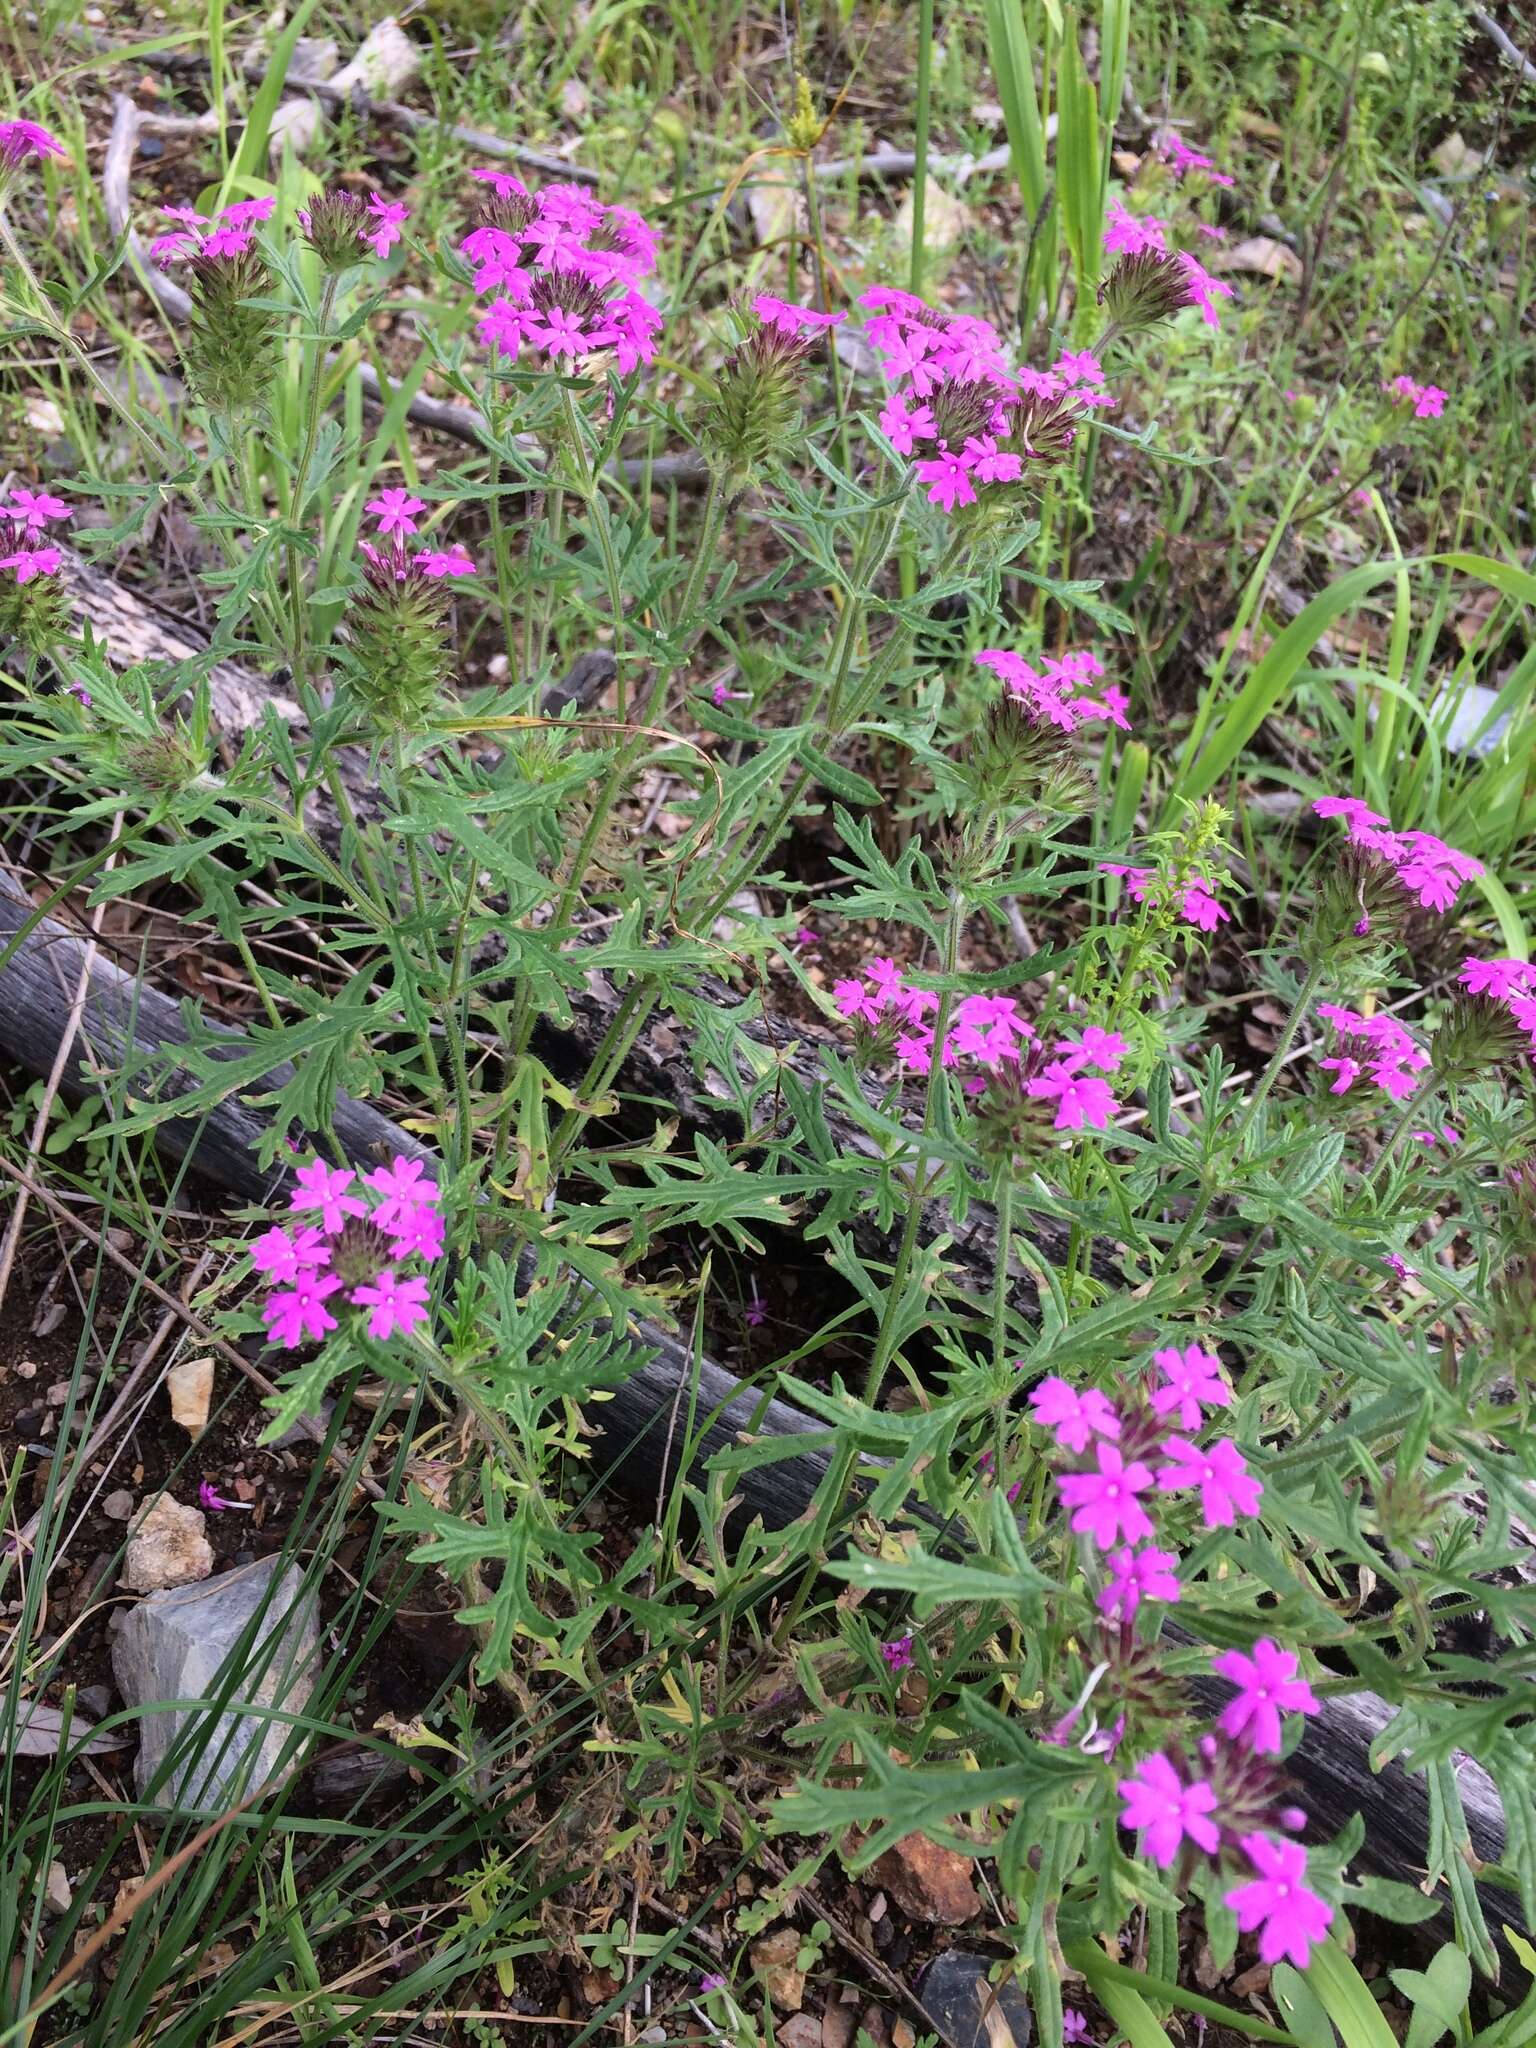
x,y
393,1304
35,509
418,1233
948,478
559,332
636,324
454,561
1192,1383
212,1502
26,141
282,1257
80,692
1180,158
1094,1047
1400,1266
505,185
897,1654
1074,2027
1200,908
324,1188
389,216
903,424
792,319
396,511
755,1314
720,696
1136,880
1227,1488
1104,1500
1204,290
1268,1686
1081,1099
989,465
1079,366
1166,1812
1500,979
501,327
300,1312
30,562
1072,1417
404,1186
1290,1917
1445,1135
1137,1575
1128,235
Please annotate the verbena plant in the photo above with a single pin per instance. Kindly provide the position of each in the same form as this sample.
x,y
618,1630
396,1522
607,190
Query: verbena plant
x,y
1236,1424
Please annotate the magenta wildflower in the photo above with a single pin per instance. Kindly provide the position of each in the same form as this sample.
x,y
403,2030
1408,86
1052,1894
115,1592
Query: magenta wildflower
x,y
280,1256
81,693
1227,1488
1181,159
324,1188
1073,1418
1137,1575
948,478
793,319
898,1653
31,562
1400,1266
1166,1812
1376,1046
437,562
755,1314
903,424
1427,400
1268,1686
1500,979
1192,1382
396,510
35,509
1444,1136
1105,1501
389,216
418,1234
1200,908
393,1304
1074,2027
212,1502
720,696
1050,690
404,1186
300,1311
1095,1047
1290,1918
1081,1099
1129,234
27,142
712,1980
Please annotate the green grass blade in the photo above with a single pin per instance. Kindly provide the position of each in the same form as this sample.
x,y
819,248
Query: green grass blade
x,y
1347,1999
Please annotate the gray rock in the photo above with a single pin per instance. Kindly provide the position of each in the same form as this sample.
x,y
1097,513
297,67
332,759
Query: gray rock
x,y
172,1647
967,2010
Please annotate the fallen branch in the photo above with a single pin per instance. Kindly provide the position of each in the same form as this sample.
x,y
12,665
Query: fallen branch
x,y
1508,49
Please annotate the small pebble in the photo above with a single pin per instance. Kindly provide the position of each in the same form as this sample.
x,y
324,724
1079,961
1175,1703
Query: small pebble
x,y
119,1506
151,146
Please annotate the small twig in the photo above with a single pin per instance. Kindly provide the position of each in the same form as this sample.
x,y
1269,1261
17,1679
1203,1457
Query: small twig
x,y
1506,47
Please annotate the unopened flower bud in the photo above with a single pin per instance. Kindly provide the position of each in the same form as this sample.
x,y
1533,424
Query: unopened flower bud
x,y
229,347
756,410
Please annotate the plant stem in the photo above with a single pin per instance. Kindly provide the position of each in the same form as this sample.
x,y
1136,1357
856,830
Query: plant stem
x,y
1277,1058
296,608
920,139
1000,1269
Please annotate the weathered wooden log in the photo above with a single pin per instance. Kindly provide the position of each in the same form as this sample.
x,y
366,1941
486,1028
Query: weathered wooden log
x,y
641,1426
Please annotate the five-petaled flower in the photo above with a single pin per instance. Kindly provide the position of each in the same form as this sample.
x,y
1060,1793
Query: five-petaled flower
x,y
1166,1812
1268,1685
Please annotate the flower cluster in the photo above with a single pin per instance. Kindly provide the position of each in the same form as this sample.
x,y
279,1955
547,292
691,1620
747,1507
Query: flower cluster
x,y
1378,1047
1427,400
1226,1800
1191,900
399,650
212,237
1048,692
1490,1023
957,406
1144,235
992,1034
1511,984
1426,867
364,1233
25,142
339,225
1181,159
562,273
1142,1447
33,609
